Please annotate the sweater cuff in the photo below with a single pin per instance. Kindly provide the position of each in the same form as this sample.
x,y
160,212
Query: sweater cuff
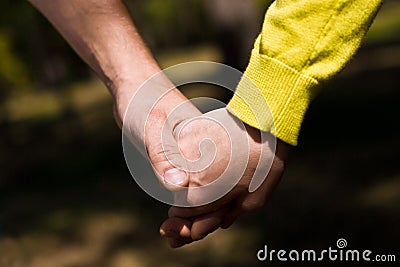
x,y
272,96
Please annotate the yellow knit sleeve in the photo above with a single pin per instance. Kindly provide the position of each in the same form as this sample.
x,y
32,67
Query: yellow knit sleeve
x,y
302,44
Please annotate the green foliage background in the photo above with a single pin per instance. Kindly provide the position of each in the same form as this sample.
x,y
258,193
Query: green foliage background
x,y
33,54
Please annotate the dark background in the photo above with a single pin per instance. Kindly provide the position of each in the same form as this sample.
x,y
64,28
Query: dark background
x,y
66,195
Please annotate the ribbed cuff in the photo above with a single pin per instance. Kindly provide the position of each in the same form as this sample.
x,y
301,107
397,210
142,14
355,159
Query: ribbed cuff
x,y
274,97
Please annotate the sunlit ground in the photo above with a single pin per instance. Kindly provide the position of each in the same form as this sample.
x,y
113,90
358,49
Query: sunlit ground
x,y
67,198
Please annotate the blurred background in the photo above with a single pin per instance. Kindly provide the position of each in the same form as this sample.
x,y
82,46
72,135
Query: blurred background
x,y
66,195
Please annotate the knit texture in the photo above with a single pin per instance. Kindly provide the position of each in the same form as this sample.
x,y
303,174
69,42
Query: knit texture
x,y
303,43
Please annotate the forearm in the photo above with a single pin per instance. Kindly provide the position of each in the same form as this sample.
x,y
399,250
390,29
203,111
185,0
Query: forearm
x,y
104,36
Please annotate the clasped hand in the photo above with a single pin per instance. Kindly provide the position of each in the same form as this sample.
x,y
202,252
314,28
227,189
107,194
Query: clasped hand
x,y
227,168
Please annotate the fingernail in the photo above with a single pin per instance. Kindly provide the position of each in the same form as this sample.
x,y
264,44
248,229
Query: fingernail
x,y
162,232
168,233
175,177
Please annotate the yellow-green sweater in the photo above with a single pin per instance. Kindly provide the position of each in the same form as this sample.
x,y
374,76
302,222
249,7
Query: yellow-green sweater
x,y
303,43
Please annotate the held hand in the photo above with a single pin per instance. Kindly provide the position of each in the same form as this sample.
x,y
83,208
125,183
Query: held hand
x,y
186,225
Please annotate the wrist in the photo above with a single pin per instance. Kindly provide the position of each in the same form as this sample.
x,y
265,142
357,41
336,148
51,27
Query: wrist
x,y
154,101
126,85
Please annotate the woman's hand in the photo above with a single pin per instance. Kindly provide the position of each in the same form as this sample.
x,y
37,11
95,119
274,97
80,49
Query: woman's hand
x,y
260,157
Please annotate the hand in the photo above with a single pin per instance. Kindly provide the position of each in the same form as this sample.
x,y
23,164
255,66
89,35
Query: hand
x,y
186,225
149,120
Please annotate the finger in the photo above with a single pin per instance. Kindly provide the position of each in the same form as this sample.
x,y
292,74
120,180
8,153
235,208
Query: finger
x,y
176,228
174,179
208,223
231,216
248,203
165,156
188,212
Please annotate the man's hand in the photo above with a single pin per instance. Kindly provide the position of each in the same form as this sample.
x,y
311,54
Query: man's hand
x,y
186,225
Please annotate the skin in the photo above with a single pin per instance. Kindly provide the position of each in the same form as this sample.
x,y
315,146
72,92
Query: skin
x,y
203,220
104,36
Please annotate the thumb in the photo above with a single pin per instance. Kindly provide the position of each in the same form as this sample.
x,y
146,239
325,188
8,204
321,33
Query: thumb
x,y
166,159
175,179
